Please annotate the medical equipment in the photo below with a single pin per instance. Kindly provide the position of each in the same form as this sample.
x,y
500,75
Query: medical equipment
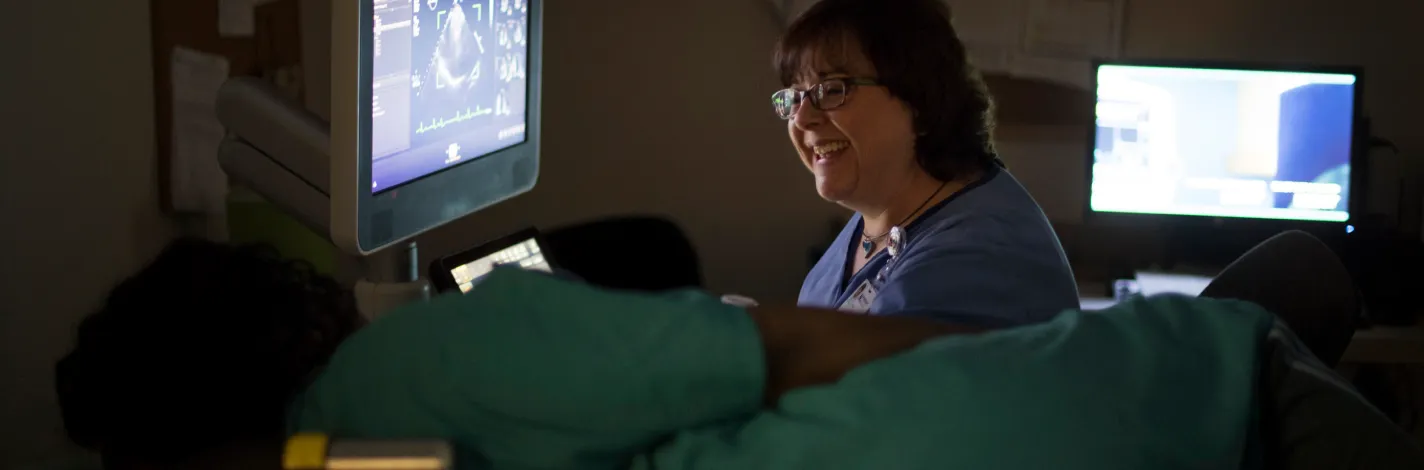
x,y
435,113
412,144
459,271
279,150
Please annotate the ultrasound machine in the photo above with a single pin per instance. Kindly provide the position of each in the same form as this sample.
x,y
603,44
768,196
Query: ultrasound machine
x,y
435,116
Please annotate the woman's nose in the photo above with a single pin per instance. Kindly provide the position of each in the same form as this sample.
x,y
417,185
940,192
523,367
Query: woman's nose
x,y
807,116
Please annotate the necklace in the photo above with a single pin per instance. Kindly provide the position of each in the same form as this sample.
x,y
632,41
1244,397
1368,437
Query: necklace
x,y
867,242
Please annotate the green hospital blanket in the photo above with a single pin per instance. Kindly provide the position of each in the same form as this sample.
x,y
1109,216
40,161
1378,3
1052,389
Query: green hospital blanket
x,y
532,372
1163,383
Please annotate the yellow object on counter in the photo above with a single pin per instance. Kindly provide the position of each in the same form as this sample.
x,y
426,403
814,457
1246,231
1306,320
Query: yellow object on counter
x,y
306,452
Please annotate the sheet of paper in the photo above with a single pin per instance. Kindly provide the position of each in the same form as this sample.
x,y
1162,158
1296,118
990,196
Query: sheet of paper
x,y
197,182
1074,29
238,18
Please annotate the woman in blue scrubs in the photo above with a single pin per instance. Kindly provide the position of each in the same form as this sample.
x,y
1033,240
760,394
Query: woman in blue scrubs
x,y
886,112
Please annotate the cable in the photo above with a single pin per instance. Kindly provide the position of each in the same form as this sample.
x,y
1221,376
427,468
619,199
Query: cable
x,y
1376,142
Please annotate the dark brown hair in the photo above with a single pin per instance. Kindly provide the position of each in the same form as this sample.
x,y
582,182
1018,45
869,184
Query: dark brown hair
x,y
206,345
919,59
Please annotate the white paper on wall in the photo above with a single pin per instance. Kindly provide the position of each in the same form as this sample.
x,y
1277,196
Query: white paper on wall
x,y
238,18
196,180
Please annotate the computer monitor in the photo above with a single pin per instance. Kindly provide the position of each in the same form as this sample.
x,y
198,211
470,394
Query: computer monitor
x,y
1227,142
435,113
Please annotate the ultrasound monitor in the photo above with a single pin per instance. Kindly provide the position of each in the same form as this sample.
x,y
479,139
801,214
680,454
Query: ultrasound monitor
x,y
435,113
1224,142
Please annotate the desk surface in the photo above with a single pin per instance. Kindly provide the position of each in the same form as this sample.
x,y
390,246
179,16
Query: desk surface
x,y
1387,345
1377,345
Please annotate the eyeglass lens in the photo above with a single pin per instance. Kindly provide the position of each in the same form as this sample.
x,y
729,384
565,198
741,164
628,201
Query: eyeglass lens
x,y
827,95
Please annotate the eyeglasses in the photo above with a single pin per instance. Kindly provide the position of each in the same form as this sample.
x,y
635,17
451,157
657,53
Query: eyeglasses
x,y
827,95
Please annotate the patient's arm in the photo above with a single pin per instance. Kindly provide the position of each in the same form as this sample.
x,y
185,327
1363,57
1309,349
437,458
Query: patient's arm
x,y
802,347
807,347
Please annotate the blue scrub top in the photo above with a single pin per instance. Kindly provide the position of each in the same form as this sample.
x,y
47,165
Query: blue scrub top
x,y
985,256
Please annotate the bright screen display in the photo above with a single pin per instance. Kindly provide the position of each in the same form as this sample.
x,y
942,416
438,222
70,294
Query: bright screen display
x,y
448,84
526,254
1223,143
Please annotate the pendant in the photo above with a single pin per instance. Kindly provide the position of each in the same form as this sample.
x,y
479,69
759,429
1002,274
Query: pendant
x,y
868,246
897,238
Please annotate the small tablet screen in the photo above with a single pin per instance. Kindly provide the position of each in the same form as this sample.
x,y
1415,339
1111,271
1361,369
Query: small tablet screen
x,y
525,249
526,254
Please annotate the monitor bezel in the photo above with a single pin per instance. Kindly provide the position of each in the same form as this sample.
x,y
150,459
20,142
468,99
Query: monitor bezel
x,y
1356,205
364,221
444,281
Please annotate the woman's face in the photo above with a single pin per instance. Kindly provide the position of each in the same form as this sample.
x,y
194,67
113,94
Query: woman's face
x,y
861,150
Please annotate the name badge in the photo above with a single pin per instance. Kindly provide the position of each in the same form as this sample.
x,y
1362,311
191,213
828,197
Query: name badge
x,y
860,300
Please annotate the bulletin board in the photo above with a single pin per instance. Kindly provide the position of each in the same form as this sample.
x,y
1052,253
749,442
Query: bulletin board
x,y
256,37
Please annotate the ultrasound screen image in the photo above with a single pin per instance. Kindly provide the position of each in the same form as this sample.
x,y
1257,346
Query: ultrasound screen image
x,y
449,84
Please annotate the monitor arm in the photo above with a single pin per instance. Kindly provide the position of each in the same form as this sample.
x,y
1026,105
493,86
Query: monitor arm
x,y
281,151
277,149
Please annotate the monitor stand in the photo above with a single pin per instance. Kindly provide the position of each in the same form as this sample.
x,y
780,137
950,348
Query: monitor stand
x,y
392,280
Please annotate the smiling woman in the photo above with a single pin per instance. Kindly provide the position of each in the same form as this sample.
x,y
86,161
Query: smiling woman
x,y
887,113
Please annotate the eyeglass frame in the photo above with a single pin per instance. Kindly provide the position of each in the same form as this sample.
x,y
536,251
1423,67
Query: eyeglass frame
x,y
800,95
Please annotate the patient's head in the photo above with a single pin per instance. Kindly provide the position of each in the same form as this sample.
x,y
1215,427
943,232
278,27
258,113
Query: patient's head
x,y
205,346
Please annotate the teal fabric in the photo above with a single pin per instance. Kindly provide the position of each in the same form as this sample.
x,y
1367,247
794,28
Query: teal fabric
x,y
537,372
1166,383
532,372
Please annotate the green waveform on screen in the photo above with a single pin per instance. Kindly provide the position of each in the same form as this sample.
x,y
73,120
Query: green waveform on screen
x,y
459,117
